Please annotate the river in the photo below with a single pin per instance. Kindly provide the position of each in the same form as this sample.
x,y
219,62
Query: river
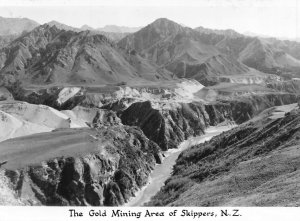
x,y
163,171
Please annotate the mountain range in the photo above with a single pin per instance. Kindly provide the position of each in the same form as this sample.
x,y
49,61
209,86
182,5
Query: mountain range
x,y
87,117
48,55
55,53
113,32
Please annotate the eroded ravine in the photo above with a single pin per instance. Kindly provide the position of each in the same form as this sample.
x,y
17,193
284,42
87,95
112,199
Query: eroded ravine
x,y
163,171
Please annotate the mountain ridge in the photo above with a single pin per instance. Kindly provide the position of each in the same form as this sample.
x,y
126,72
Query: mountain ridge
x,y
49,55
14,26
182,51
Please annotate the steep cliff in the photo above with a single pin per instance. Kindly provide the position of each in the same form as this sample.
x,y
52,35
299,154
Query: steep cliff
x,y
244,107
167,124
255,164
103,166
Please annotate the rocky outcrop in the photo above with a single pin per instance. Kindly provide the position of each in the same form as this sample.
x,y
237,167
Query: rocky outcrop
x,y
103,166
169,124
115,97
53,97
245,107
105,118
246,166
291,86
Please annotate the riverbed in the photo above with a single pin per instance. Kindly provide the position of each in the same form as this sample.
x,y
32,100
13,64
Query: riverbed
x,y
163,171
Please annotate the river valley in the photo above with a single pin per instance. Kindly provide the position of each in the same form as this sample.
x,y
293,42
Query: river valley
x,y
163,171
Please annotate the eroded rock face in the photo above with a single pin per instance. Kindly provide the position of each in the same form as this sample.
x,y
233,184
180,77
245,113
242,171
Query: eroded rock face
x,y
246,166
105,118
106,168
169,125
243,108
292,86
108,164
61,98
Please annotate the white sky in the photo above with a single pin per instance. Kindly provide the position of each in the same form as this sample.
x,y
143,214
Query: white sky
x,y
278,18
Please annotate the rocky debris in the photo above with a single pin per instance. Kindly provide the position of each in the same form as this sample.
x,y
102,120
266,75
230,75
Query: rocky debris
x,y
105,118
67,97
60,98
254,164
98,167
7,195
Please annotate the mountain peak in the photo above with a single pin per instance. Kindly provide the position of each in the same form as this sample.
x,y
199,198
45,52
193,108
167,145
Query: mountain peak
x,y
160,20
86,27
164,22
53,22
165,26
62,26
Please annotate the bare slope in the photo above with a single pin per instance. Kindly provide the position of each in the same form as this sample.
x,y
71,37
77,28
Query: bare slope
x,y
265,54
255,164
48,55
182,51
13,26
79,167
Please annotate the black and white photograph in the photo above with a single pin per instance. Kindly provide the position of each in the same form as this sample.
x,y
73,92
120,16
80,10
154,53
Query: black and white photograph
x,y
149,104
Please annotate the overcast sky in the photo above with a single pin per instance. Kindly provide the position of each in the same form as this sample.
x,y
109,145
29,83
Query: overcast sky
x,y
278,18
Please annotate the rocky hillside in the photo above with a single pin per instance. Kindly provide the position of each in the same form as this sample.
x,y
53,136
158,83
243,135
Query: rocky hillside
x,y
168,124
264,54
6,39
65,171
103,166
15,26
113,107
255,164
182,51
48,55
